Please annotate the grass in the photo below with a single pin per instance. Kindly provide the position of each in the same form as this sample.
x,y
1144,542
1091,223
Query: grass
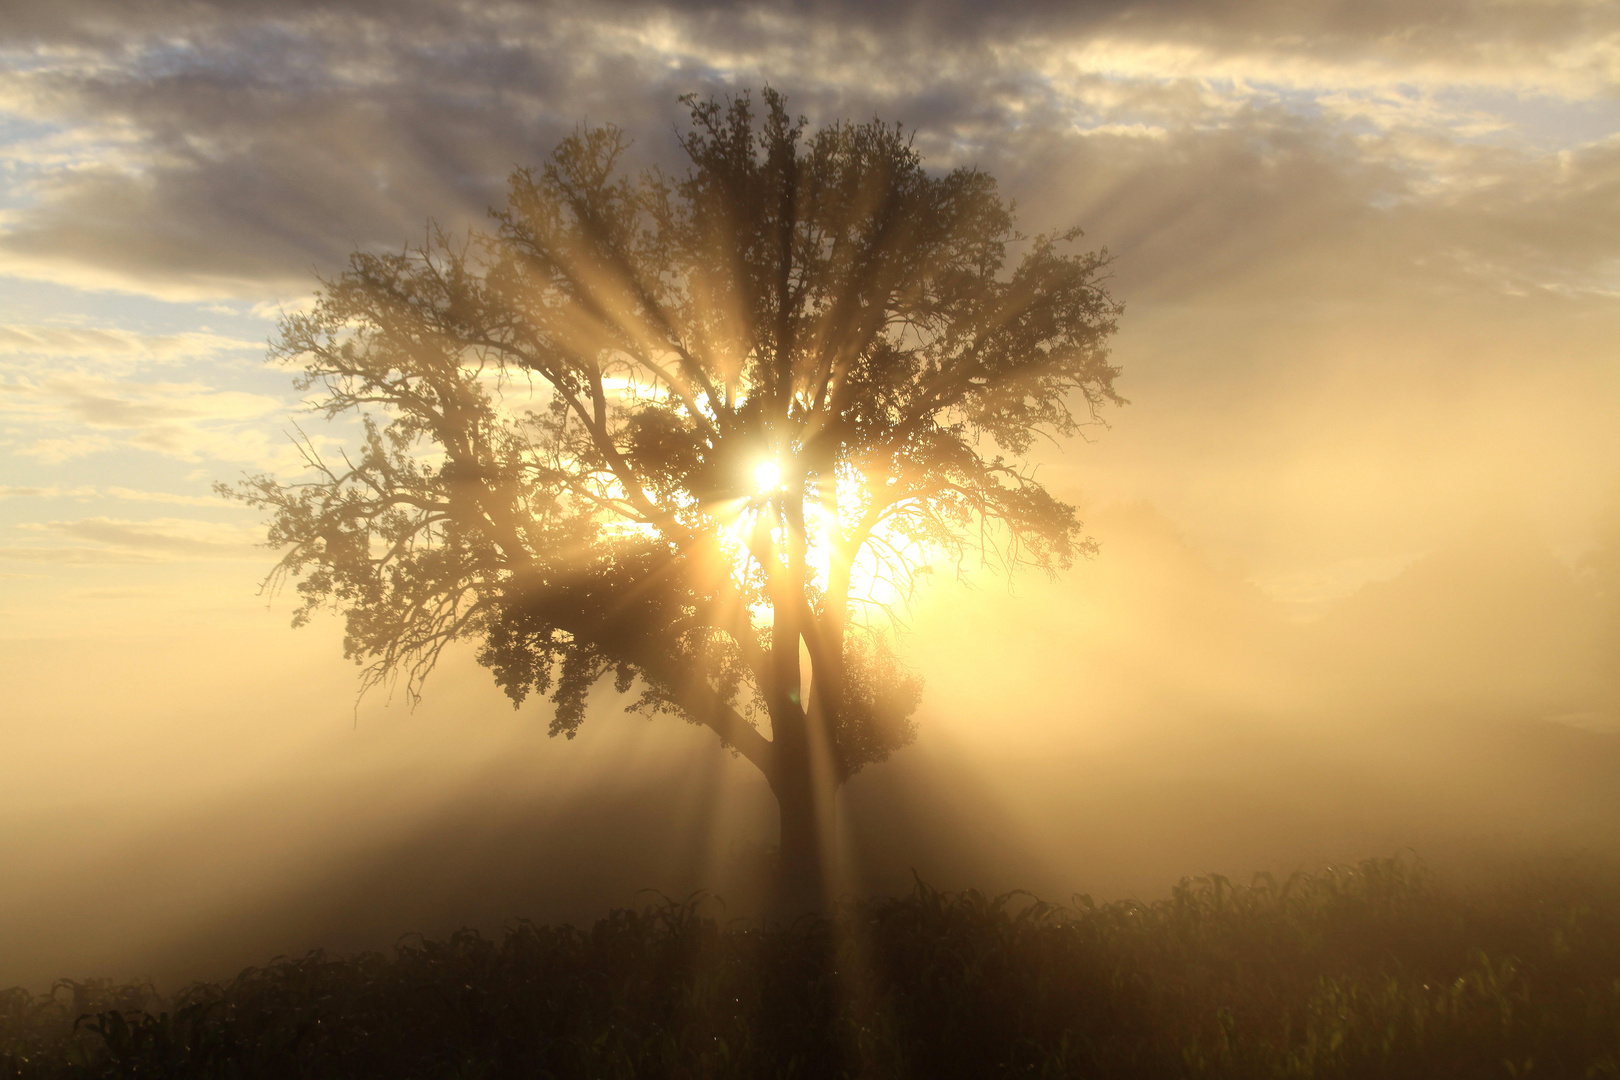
x,y
1367,971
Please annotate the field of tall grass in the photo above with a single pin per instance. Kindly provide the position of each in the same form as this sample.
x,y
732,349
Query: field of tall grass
x,y
1366,971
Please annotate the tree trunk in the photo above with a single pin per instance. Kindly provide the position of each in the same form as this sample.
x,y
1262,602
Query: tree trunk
x,y
806,873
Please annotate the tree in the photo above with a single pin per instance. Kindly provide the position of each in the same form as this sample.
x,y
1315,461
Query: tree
x,y
700,432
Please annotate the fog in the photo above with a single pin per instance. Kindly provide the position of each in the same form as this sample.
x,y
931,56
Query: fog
x,y
1358,584
191,798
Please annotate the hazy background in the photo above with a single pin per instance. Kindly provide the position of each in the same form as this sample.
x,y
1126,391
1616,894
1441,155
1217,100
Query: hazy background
x,y
1360,525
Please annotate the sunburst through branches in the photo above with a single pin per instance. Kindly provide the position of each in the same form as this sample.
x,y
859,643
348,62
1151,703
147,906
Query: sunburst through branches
x,y
697,432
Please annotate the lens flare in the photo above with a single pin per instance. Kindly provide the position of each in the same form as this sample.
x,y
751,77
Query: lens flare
x,y
768,476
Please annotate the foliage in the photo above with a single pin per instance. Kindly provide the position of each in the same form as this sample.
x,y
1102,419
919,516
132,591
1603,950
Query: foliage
x,y
1369,971
683,429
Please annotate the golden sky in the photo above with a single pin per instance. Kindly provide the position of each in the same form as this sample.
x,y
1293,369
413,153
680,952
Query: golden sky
x,y
1370,255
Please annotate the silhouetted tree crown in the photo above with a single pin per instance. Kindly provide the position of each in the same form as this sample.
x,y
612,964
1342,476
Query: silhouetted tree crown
x,y
695,431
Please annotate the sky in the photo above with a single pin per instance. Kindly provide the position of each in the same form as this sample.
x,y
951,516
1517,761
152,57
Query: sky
x,y
1370,261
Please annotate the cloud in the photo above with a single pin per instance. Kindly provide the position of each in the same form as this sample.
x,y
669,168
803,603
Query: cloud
x,y
276,309
271,147
98,540
72,416
1413,204
257,143
155,405
122,494
75,556
111,345
9,491
127,495
55,451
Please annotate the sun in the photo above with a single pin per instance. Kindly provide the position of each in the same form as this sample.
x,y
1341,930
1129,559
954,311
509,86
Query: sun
x,y
882,574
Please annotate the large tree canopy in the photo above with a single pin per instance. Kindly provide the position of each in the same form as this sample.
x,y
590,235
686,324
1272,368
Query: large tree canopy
x,y
697,431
